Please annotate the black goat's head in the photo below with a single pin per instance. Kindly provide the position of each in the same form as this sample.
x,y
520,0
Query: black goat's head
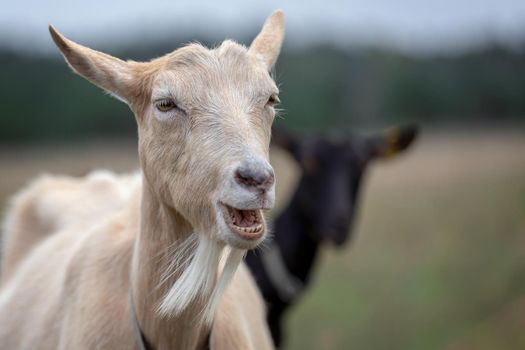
x,y
332,171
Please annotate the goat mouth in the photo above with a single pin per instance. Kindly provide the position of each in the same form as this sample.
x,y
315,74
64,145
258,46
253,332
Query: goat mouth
x,y
246,223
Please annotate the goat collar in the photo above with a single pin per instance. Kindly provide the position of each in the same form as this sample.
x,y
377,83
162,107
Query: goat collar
x,y
285,283
140,338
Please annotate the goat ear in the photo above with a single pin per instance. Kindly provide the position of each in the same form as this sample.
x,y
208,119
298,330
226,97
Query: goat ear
x,y
267,45
391,142
108,72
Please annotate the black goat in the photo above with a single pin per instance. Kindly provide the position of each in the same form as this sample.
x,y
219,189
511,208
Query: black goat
x,y
321,210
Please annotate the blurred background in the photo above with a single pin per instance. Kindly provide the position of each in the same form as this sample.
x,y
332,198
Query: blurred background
x,y
438,259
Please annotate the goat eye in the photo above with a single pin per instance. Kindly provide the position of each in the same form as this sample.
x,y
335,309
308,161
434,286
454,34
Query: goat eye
x,y
273,100
165,105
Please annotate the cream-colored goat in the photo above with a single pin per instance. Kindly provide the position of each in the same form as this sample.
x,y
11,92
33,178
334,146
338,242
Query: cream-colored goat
x,y
54,203
204,119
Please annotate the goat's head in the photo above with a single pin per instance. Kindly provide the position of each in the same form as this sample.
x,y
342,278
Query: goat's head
x,y
332,170
204,120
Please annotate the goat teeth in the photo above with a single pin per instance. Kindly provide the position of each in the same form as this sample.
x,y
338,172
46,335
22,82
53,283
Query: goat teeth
x,y
250,229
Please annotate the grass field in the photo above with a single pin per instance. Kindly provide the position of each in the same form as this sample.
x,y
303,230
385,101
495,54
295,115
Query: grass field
x,y
438,261
438,256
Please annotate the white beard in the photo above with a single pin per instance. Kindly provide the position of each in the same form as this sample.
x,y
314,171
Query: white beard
x,y
197,280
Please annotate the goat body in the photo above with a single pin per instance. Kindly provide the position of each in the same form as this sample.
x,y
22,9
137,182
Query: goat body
x,y
321,211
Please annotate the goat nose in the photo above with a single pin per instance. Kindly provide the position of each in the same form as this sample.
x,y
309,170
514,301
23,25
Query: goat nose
x,y
255,177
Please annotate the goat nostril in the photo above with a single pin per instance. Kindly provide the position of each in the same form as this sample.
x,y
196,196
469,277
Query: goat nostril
x,y
255,178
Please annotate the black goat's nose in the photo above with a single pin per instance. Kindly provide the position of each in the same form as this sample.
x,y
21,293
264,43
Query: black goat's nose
x,y
254,177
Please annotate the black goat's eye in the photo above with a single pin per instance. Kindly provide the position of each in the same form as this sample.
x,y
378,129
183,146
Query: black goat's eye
x,y
273,100
165,104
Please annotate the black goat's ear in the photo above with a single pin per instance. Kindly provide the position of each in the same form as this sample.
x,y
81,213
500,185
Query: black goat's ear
x,y
391,142
287,141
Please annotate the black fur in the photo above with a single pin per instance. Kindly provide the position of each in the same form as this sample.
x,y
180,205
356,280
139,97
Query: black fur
x,y
323,207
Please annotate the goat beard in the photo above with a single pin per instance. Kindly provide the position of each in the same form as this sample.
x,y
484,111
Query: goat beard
x,y
198,272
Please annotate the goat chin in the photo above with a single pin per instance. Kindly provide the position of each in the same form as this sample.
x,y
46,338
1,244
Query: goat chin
x,y
197,281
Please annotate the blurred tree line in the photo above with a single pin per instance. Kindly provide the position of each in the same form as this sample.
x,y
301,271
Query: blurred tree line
x,y
321,87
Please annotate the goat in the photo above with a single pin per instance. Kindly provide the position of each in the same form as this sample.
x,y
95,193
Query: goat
x,y
151,273
320,211
51,203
